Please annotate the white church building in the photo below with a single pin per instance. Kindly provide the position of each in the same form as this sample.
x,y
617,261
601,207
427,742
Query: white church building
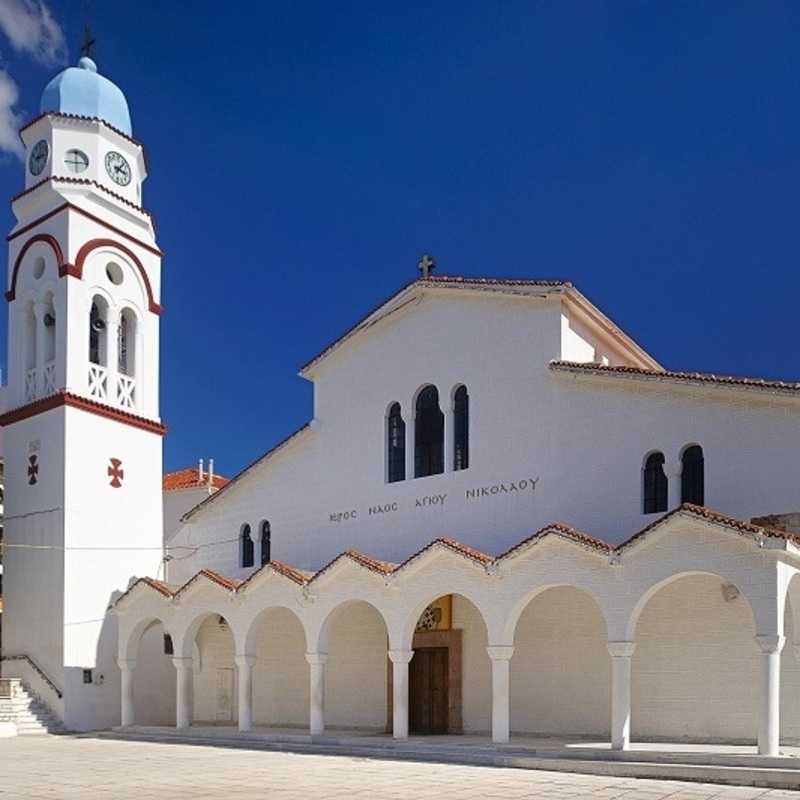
x,y
506,531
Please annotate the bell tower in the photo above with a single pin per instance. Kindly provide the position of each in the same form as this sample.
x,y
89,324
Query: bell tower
x,y
80,414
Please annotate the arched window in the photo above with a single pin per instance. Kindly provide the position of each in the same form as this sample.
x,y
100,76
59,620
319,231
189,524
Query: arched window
x,y
396,444
461,429
655,484
49,322
30,337
692,476
266,542
428,434
126,343
97,333
246,547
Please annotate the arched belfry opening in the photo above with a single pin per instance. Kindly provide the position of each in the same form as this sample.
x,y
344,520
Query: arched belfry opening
x,y
428,434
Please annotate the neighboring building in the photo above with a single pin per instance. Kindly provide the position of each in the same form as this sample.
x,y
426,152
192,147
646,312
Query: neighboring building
x,y
186,488
496,519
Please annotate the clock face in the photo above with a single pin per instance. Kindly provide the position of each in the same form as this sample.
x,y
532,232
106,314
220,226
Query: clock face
x,y
76,160
118,168
38,157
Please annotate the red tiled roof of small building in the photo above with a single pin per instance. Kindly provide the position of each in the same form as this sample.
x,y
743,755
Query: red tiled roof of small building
x,y
190,479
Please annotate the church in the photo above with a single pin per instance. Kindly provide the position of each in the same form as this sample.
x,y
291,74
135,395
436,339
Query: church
x,y
536,530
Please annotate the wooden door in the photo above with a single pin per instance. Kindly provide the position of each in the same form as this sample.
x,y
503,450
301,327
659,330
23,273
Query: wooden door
x,y
428,690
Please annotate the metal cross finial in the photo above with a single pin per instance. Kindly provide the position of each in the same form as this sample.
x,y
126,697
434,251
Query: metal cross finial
x,y
87,48
426,265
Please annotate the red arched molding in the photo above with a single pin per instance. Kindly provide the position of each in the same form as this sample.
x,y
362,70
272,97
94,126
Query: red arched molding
x,y
94,244
40,237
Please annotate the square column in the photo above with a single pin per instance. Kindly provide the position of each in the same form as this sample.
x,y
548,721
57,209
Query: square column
x,y
769,719
244,669
316,715
127,714
621,653
183,692
400,660
501,657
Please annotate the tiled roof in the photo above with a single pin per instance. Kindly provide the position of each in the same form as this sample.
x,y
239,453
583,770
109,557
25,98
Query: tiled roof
x,y
190,479
670,375
483,559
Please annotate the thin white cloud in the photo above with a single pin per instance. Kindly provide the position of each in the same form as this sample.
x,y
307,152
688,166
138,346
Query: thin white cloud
x,y
10,120
31,29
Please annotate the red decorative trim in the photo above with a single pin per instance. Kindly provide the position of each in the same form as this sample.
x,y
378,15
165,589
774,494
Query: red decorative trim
x,y
94,244
83,118
39,237
88,215
84,404
80,182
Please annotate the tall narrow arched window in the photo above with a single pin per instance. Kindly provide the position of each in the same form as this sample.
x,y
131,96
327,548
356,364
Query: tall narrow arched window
x,y
655,484
461,429
97,333
395,444
428,434
693,476
126,343
246,548
266,542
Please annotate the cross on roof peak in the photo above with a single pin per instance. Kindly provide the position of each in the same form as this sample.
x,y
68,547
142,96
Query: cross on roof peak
x,y
89,41
426,265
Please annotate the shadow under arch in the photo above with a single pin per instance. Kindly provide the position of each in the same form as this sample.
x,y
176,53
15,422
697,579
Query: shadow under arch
x,y
509,628
130,650
184,639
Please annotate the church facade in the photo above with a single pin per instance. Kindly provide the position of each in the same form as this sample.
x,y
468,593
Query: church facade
x,y
504,516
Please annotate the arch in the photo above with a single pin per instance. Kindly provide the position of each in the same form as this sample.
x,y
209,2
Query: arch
x,y
460,404
696,660
183,640
395,444
247,555
95,244
129,649
428,433
655,486
509,628
47,239
49,323
250,636
645,597
560,671
402,638
693,475
323,634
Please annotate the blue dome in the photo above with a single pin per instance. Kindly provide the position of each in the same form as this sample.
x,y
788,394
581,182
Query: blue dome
x,y
81,90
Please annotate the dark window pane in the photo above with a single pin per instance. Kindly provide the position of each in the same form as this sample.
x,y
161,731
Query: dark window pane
x,y
461,432
655,484
266,542
248,554
692,476
428,434
396,444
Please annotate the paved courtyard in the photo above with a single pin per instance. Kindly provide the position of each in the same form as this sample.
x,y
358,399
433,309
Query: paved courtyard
x,y
65,768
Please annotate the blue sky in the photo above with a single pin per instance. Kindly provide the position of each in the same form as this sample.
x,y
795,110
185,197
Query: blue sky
x,y
302,156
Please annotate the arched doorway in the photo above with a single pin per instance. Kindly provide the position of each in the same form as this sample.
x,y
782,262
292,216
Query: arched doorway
x,y
449,675
214,668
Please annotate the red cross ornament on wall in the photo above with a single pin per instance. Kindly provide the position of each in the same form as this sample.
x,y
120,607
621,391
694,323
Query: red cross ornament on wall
x,y
116,473
33,470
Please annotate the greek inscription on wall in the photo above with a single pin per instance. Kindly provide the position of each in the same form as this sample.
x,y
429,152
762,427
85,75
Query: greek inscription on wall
x,y
344,516
526,485
386,508
430,500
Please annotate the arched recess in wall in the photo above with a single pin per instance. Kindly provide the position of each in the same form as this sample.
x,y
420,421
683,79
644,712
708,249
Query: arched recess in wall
x,y
395,444
693,475
428,433
655,486
695,661
45,238
355,635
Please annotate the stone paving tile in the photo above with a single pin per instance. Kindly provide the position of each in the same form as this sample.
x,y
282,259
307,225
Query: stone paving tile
x,y
65,768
